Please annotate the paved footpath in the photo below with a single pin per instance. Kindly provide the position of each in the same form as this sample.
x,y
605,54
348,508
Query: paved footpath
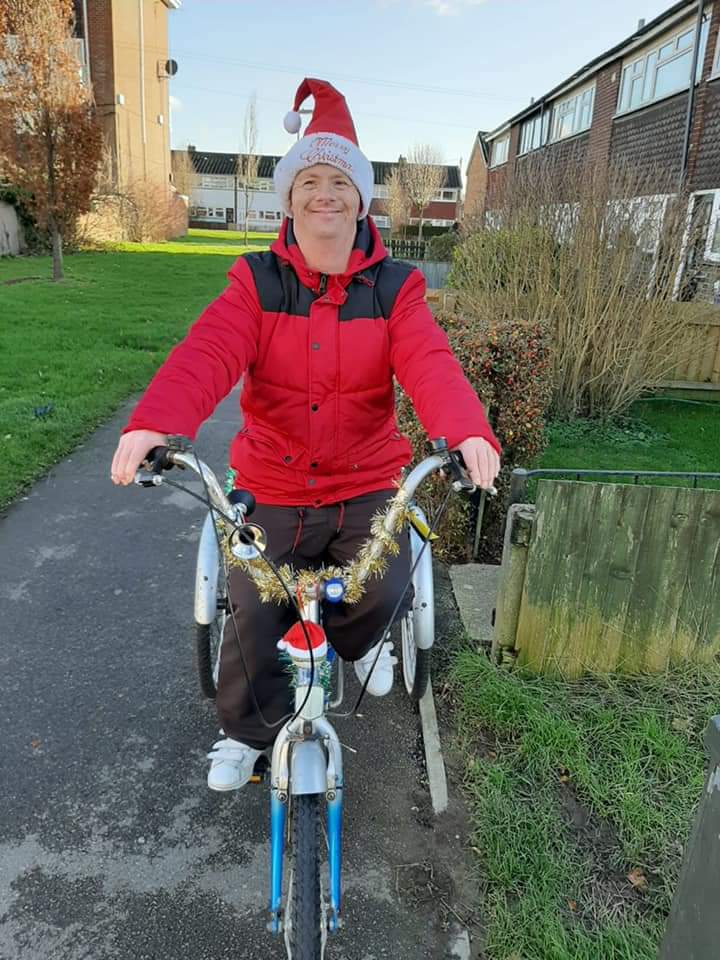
x,y
111,845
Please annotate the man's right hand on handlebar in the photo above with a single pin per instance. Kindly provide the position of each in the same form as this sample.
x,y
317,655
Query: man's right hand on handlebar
x,y
134,446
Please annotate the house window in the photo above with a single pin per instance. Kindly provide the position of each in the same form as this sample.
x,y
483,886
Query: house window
x,y
219,211
662,71
381,191
573,115
500,151
200,212
448,194
534,132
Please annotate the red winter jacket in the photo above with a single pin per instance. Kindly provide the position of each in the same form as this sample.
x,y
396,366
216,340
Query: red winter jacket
x,y
318,354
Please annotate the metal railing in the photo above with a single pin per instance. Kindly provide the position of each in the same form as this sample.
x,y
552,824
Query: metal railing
x,y
520,477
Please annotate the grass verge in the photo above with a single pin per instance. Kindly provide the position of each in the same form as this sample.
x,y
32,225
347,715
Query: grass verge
x,y
71,352
582,795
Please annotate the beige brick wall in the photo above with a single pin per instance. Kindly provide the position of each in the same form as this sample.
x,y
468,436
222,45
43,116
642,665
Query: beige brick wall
x,y
127,38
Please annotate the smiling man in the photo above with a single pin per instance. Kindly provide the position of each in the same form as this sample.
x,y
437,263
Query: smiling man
x,y
317,327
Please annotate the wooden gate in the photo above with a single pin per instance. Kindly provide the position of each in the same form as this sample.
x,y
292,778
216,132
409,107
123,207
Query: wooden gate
x,y
619,579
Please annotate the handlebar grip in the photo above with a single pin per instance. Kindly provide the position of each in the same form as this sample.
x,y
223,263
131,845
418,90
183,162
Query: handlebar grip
x,y
159,459
245,498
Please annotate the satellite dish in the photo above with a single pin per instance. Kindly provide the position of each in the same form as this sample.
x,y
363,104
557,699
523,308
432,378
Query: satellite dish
x,y
171,67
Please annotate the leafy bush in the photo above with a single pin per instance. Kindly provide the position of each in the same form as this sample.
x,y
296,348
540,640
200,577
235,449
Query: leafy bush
x,y
509,365
442,246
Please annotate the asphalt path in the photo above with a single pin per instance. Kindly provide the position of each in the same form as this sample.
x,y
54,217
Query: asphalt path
x,y
111,845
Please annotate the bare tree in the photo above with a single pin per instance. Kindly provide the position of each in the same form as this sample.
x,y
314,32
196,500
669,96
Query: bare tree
x,y
423,175
248,160
398,203
183,172
50,135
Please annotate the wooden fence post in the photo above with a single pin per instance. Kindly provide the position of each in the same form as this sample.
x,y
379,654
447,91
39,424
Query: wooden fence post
x,y
518,530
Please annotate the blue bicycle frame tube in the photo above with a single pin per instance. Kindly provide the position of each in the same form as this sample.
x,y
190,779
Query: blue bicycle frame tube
x,y
278,820
334,832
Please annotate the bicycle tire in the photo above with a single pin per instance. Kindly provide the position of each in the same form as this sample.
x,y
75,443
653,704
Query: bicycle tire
x,y
304,935
415,661
208,637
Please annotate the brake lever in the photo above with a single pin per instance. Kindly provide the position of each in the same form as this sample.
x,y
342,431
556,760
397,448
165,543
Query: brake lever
x,y
147,479
461,482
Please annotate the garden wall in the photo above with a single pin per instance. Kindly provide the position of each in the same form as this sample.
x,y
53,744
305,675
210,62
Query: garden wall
x,y
12,240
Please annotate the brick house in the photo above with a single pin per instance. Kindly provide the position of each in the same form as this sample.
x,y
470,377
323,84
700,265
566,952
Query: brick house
x,y
476,177
216,194
632,105
123,49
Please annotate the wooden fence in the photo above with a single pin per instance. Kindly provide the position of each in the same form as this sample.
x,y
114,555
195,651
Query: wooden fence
x,y
700,363
616,578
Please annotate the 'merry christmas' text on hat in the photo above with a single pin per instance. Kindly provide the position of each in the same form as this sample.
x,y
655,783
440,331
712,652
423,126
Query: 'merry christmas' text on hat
x,y
329,138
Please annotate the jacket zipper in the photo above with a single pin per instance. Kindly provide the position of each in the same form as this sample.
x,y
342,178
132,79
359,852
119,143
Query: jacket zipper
x,y
323,284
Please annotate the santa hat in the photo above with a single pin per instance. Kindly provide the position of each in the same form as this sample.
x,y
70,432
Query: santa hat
x,y
329,138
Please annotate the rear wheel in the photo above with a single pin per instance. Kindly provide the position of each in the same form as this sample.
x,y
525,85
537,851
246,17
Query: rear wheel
x,y
208,637
415,661
305,933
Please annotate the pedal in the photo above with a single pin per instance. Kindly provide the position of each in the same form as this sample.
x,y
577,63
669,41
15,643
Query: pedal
x,y
260,770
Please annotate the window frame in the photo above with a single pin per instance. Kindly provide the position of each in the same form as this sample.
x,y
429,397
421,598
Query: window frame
x,y
574,101
543,118
495,144
715,69
652,55
713,228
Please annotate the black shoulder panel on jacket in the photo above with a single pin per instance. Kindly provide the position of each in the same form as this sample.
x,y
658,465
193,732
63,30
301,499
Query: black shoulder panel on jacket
x,y
371,293
277,285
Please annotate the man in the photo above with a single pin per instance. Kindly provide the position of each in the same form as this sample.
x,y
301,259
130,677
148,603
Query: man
x,y
317,327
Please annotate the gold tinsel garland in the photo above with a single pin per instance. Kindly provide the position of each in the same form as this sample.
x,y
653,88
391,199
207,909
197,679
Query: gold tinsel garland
x,y
371,559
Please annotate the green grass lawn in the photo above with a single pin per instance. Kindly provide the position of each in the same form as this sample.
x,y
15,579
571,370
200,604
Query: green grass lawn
x,y
71,352
582,795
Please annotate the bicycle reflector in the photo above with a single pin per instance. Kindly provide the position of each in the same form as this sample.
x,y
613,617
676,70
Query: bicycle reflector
x,y
334,590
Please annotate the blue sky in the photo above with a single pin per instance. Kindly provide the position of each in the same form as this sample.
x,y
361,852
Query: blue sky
x,y
412,71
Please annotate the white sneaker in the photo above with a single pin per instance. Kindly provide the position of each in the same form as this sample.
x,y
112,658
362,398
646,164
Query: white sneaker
x,y
232,764
381,679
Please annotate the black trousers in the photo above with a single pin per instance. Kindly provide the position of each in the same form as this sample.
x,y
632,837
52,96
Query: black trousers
x,y
305,537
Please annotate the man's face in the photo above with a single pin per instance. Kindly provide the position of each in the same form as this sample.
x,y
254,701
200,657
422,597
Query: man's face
x,y
324,203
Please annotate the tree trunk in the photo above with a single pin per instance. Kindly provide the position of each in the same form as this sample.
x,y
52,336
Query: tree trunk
x,y
57,252
420,225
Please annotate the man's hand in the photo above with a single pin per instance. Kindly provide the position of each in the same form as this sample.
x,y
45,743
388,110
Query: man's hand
x,y
134,446
481,460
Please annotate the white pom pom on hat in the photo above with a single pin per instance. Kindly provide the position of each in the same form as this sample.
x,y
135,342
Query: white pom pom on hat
x,y
329,138
292,121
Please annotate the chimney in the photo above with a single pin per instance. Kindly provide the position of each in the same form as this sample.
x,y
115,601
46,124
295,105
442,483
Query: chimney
x,y
641,23
191,148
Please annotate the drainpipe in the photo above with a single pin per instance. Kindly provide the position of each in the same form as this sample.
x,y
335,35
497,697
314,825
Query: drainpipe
x,y
87,43
142,84
691,94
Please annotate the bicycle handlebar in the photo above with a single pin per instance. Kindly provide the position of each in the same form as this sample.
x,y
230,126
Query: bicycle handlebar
x,y
240,504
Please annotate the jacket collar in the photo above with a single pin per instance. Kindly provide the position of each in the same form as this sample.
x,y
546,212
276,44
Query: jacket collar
x,y
368,250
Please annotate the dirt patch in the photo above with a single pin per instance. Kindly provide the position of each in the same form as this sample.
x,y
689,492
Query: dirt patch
x,y
609,893
9,283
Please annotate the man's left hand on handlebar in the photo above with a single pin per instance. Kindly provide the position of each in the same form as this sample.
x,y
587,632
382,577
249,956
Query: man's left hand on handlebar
x,y
481,461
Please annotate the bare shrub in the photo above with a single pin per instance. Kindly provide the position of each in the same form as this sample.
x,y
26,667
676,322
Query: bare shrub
x,y
598,259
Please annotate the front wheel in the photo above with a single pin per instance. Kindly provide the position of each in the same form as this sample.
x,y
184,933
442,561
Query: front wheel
x,y
305,933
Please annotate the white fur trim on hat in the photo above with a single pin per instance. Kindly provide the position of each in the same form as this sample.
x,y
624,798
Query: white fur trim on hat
x,y
334,150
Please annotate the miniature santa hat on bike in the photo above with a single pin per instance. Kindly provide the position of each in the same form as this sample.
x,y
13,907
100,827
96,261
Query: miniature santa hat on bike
x,y
329,138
